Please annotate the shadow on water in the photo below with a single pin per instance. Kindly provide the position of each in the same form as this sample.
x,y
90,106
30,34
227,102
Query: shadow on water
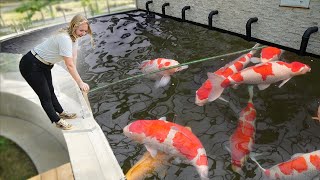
x,y
284,124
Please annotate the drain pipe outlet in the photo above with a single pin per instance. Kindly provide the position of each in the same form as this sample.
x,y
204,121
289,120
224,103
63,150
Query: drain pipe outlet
x,y
147,6
183,12
210,17
248,27
305,39
164,8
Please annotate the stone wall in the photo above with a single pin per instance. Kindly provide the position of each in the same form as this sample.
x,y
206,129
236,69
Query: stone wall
x,y
279,25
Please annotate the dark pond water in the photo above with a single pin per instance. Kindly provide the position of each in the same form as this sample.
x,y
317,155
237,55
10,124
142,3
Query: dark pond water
x,y
283,126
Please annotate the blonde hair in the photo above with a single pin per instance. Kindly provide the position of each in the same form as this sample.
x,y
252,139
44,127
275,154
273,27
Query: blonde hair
x,y
76,21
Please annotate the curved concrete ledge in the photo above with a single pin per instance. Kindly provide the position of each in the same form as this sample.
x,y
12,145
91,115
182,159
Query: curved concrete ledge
x,y
24,121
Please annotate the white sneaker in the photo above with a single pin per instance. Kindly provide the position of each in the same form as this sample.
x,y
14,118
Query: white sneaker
x,y
62,124
66,115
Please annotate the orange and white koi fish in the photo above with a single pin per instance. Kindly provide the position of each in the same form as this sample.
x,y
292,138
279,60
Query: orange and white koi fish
x,y
262,74
300,166
235,66
162,77
268,54
242,140
148,166
317,118
172,139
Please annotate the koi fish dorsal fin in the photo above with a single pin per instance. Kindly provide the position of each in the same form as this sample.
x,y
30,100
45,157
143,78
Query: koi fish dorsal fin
x,y
153,152
283,82
162,82
189,128
163,119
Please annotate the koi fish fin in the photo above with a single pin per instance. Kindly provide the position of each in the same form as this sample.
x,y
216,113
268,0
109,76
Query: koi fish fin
x,y
316,118
235,86
253,158
162,174
143,63
163,81
227,148
263,86
223,99
216,86
203,172
163,119
153,152
255,60
177,160
318,114
250,90
254,48
182,68
296,155
283,82
189,128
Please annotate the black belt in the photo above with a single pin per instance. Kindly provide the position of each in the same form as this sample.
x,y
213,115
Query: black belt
x,y
40,59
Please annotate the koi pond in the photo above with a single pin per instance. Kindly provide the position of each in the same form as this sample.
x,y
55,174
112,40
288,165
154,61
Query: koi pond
x,y
284,124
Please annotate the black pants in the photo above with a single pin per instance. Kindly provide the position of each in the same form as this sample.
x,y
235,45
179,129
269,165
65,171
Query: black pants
x,y
38,76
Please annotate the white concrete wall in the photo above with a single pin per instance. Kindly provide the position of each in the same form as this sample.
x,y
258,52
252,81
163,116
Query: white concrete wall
x,y
280,25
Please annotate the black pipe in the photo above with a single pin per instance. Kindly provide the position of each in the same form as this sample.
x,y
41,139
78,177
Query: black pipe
x,y
248,27
305,39
164,8
183,11
147,6
210,17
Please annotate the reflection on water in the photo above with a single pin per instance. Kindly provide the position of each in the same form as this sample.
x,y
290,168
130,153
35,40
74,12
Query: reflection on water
x,y
283,125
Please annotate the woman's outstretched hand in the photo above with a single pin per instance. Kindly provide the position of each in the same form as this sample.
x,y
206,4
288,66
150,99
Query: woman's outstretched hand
x,y
84,87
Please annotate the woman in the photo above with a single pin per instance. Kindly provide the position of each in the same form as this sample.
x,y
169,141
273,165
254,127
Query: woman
x,y
36,67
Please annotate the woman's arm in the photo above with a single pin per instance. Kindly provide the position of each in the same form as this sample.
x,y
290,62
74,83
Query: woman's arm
x,y
74,73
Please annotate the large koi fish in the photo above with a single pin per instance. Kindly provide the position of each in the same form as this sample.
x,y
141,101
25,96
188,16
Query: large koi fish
x,y
162,77
300,166
261,74
268,54
242,140
235,66
172,139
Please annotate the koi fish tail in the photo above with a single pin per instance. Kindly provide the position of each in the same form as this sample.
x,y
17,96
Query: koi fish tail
x,y
253,158
217,89
250,89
